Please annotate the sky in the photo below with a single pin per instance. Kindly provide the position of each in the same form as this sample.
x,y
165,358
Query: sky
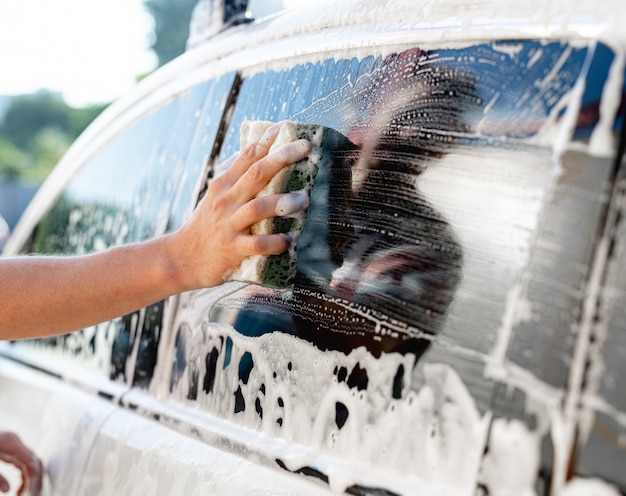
x,y
89,50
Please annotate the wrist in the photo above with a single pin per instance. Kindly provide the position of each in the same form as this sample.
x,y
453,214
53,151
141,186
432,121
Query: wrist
x,y
183,262
175,266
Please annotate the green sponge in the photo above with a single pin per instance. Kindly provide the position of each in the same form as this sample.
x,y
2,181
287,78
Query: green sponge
x,y
278,271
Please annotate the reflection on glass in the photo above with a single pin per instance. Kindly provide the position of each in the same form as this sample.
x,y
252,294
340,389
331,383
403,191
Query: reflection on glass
x,y
140,184
125,192
434,129
378,263
458,235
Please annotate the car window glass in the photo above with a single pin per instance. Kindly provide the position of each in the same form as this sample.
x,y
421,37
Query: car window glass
x,y
601,451
604,399
433,268
142,183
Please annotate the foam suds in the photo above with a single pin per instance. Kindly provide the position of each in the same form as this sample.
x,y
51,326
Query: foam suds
x,y
602,141
340,405
588,487
292,203
512,460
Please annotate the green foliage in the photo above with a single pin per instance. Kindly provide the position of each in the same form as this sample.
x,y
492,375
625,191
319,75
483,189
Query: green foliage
x,y
171,26
29,114
36,131
12,161
48,146
51,234
80,118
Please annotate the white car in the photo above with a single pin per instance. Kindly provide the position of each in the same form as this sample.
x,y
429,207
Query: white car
x,y
456,324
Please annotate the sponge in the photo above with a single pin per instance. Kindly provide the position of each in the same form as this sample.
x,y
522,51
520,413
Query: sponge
x,y
278,271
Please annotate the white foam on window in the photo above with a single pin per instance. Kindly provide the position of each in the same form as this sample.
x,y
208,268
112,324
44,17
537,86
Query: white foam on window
x,y
603,142
427,434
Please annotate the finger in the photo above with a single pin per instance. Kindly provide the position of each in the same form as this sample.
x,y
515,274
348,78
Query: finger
x,y
4,485
25,477
252,153
32,473
25,485
266,244
16,453
36,476
13,448
30,483
260,173
265,207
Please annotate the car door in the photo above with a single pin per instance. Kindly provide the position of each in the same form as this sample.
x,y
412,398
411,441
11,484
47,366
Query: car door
x,y
439,319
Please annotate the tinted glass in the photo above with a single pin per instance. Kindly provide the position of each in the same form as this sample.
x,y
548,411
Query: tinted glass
x,y
601,444
142,183
443,273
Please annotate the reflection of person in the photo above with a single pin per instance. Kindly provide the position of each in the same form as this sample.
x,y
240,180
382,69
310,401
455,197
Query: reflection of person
x,y
404,259
384,278
48,295
14,452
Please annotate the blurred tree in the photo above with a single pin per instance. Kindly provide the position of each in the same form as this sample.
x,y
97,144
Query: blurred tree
x,y
12,161
80,118
29,114
36,131
171,26
47,148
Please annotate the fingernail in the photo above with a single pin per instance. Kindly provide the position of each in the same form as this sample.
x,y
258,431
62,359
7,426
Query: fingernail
x,y
289,239
305,144
270,133
292,203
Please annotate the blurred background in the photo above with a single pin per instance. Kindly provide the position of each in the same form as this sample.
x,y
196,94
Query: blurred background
x,y
63,62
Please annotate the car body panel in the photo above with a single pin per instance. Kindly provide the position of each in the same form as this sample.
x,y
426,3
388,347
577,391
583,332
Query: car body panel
x,y
58,420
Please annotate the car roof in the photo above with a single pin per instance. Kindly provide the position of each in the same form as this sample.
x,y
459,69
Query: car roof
x,y
445,20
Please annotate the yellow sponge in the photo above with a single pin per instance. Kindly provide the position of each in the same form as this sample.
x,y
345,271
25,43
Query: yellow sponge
x,y
278,271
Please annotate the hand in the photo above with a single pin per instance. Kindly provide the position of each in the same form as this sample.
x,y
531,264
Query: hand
x,y
209,247
14,452
204,252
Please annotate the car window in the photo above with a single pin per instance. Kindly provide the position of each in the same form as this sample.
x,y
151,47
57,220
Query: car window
x,y
142,183
604,395
440,282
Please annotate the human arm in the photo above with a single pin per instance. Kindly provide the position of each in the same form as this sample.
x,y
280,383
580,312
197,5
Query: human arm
x,y
13,451
43,295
